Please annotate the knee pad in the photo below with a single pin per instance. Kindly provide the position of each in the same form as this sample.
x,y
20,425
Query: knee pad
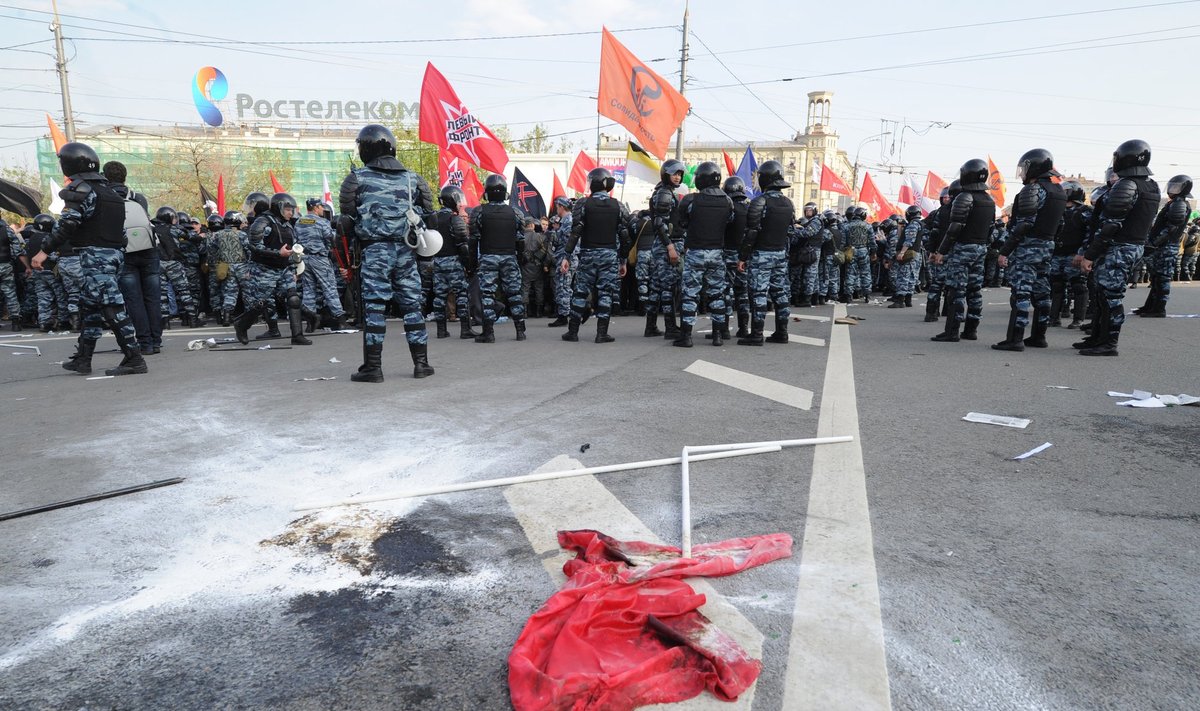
x,y
293,300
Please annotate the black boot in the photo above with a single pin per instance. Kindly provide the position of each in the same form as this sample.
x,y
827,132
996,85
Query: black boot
x,y
420,359
572,333
296,324
931,309
442,331
310,321
16,324
719,334
1106,348
243,323
908,301
897,302
684,339
1014,341
464,329
970,330
950,335
197,322
556,323
489,332
652,329
602,331
81,362
1078,308
185,320
755,338
781,333
1057,297
131,364
271,332
1037,329
519,324
672,329
371,371
743,322
224,319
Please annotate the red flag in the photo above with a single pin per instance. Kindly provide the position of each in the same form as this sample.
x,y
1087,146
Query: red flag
x,y
221,195
934,185
275,183
832,183
907,196
636,97
878,207
446,122
995,183
729,169
453,172
558,189
578,179
56,135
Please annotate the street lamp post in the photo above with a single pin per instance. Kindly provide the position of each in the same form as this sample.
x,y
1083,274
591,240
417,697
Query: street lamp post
x,y
857,153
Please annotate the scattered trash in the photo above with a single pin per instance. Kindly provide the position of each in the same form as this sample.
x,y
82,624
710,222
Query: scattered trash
x,y
1144,399
949,553
344,330
1001,420
1136,394
22,353
586,446
58,362
1183,315
21,398
1060,387
334,360
102,377
265,348
196,345
1035,450
35,349
847,320
309,380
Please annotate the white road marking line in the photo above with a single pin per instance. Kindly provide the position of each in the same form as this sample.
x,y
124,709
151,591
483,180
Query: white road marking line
x,y
544,508
754,384
836,656
806,340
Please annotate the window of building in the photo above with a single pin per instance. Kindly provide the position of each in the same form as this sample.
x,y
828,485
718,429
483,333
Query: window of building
x,y
812,194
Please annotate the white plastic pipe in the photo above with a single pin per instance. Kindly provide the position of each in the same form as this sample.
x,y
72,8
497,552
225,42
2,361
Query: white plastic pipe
x,y
685,508
489,483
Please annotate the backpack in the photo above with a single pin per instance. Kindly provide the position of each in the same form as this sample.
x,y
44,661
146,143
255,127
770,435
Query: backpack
x,y
139,236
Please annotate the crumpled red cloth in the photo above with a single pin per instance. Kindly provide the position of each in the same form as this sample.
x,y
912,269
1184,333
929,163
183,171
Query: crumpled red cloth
x,y
624,631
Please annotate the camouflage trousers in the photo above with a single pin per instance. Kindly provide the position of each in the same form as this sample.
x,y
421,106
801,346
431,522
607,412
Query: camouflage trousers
x,y
193,275
599,271
8,289
502,271
215,286
769,284
905,278
100,300
831,277
737,285
238,280
319,277
448,276
1112,275
664,278
858,274
51,297
963,274
174,275
70,272
643,273
1162,269
1027,271
937,280
389,272
269,283
1062,268
704,276
563,288
805,279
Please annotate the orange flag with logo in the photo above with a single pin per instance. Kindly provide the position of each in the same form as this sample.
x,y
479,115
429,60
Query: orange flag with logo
x,y
636,97
995,183
56,134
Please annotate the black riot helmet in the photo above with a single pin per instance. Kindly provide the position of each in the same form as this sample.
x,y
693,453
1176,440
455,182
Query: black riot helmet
x,y
850,211
973,175
1036,163
1074,192
860,213
1180,186
77,157
1097,193
770,176
215,222
233,218
374,141
1110,175
281,202
671,167
451,197
912,213
829,217
43,223
166,215
601,180
708,175
256,204
944,197
495,187
310,203
1131,158
183,218
954,189
734,187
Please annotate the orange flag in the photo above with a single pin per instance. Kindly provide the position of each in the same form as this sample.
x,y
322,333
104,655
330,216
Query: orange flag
x,y
933,185
878,207
56,135
275,183
995,183
830,181
577,181
636,97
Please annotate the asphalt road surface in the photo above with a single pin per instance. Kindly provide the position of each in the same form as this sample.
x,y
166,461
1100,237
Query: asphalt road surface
x,y
929,571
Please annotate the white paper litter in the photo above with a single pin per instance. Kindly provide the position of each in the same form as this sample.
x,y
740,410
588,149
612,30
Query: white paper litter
x,y
1183,315
265,348
1141,395
196,345
1060,387
1144,402
1001,420
1035,450
309,380
1141,398
21,353
102,377
344,330
58,362
334,360
22,398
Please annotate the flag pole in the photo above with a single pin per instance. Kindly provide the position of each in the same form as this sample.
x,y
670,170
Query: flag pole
x,y
683,57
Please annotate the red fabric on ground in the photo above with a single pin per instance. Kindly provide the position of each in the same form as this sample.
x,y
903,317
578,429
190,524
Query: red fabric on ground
x,y
624,631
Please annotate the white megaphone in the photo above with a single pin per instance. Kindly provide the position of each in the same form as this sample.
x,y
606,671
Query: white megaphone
x,y
429,242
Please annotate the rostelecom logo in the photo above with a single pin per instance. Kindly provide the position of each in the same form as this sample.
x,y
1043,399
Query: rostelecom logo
x,y
209,86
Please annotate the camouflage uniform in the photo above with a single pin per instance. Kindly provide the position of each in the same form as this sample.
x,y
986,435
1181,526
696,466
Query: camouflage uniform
x,y
664,276
906,272
70,273
858,276
599,225
190,246
770,224
1036,215
563,283
497,236
13,246
316,235
229,247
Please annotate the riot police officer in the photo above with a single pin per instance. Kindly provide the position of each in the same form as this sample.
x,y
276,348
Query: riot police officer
x,y
1165,236
703,217
770,223
1063,271
935,224
910,242
315,233
450,262
600,226
273,272
963,249
497,243
737,294
665,252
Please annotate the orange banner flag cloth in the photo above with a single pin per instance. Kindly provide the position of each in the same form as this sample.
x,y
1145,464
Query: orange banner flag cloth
x,y
730,170
56,134
636,97
577,181
878,207
934,184
832,183
995,184
275,183
557,192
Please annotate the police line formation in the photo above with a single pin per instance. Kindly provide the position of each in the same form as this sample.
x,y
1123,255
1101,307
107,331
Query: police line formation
x,y
105,263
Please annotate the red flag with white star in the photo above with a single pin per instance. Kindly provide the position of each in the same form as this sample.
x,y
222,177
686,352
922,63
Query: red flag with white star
x,y
446,122
453,172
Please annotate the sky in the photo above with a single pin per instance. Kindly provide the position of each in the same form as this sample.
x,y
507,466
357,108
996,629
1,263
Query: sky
x,y
917,87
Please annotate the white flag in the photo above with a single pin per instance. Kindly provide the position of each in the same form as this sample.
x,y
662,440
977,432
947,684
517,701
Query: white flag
x,y
326,195
56,202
